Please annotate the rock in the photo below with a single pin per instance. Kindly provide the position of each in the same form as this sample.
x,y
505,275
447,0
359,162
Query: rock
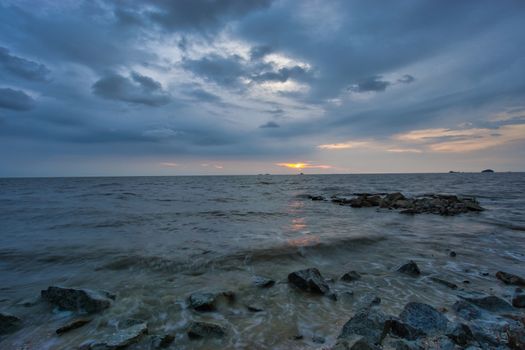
x,y
424,318
516,339
122,338
438,342
452,254
354,342
490,303
460,334
367,323
466,310
76,323
395,327
318,340
487,171
9,323
309,280
198,330
445,283
518,299
389,199
316,198
81,300
161,341
263,282
206,301
254,307
350,276
410,268
509,278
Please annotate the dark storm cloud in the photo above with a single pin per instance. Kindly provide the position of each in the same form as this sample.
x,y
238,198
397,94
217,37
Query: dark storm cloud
x,y
270,124
221,70
186,14
15,100
22,67
137,89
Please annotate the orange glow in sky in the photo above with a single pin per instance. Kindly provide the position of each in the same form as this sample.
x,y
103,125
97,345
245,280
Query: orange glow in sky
x,y
303,166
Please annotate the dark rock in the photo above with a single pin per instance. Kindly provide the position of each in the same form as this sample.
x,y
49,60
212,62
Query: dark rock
x,y
368,323
9,323
350,276
516,339
518,299
316,198
490,302
309,280
424,318
445,283
395,327
452,254
254,307
410,268
318,340
389,199
122,338
487,171
162,341
298,337
263,282
354,342
460,333
77,299
509,278
203,301
466,310
205,330
76,323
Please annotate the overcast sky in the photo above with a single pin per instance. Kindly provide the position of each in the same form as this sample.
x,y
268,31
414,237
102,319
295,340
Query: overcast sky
x,y
245,87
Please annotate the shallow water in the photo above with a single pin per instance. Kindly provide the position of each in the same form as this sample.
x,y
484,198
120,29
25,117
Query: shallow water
x,y
155,240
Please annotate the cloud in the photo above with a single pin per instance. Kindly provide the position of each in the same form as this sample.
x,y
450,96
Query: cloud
x,y
137,89
221,70
203,95
22,67
374,83
258,52
16,100
344,145
282,75
169,164
406,79
270,124
186,14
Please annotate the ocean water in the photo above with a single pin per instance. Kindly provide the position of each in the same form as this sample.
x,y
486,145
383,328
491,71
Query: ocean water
x,y
155,240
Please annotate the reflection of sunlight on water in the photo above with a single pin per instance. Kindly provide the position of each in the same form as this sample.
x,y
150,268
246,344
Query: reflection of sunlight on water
x,y
303,241
298,224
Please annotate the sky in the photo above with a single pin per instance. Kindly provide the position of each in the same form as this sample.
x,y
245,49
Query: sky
x,y
108,87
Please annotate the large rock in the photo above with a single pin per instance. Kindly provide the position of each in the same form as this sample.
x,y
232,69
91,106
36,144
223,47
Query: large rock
x,y
466,310
203,301
9,323
509,278
424,318
490,303
410,268
396,327
351,276
460,333
122,338
82,300
198,330
309,280
367,323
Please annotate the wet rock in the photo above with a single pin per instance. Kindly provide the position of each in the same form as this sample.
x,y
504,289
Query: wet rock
x,y
396,327
368,323
445,283
410,268
466,310
516,339
263,282
460,334
389,199
76,323
318,340
254,306
354,342
424,318
518,299
73,299
309,280
316,198
509,278
9,323
161,341
490,303
122,338
198,330
203,301
350,276
439,342
452,254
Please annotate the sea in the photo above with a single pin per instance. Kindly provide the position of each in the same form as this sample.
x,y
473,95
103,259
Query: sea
x,y
153,241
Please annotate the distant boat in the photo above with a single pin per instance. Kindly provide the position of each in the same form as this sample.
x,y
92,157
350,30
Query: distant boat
x,y
487,171
453,172
301,174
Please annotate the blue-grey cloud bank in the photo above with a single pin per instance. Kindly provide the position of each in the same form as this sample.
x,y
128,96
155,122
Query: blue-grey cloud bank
x,y
162,87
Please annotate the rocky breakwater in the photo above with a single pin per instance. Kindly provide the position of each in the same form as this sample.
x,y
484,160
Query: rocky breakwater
x,y
431,204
